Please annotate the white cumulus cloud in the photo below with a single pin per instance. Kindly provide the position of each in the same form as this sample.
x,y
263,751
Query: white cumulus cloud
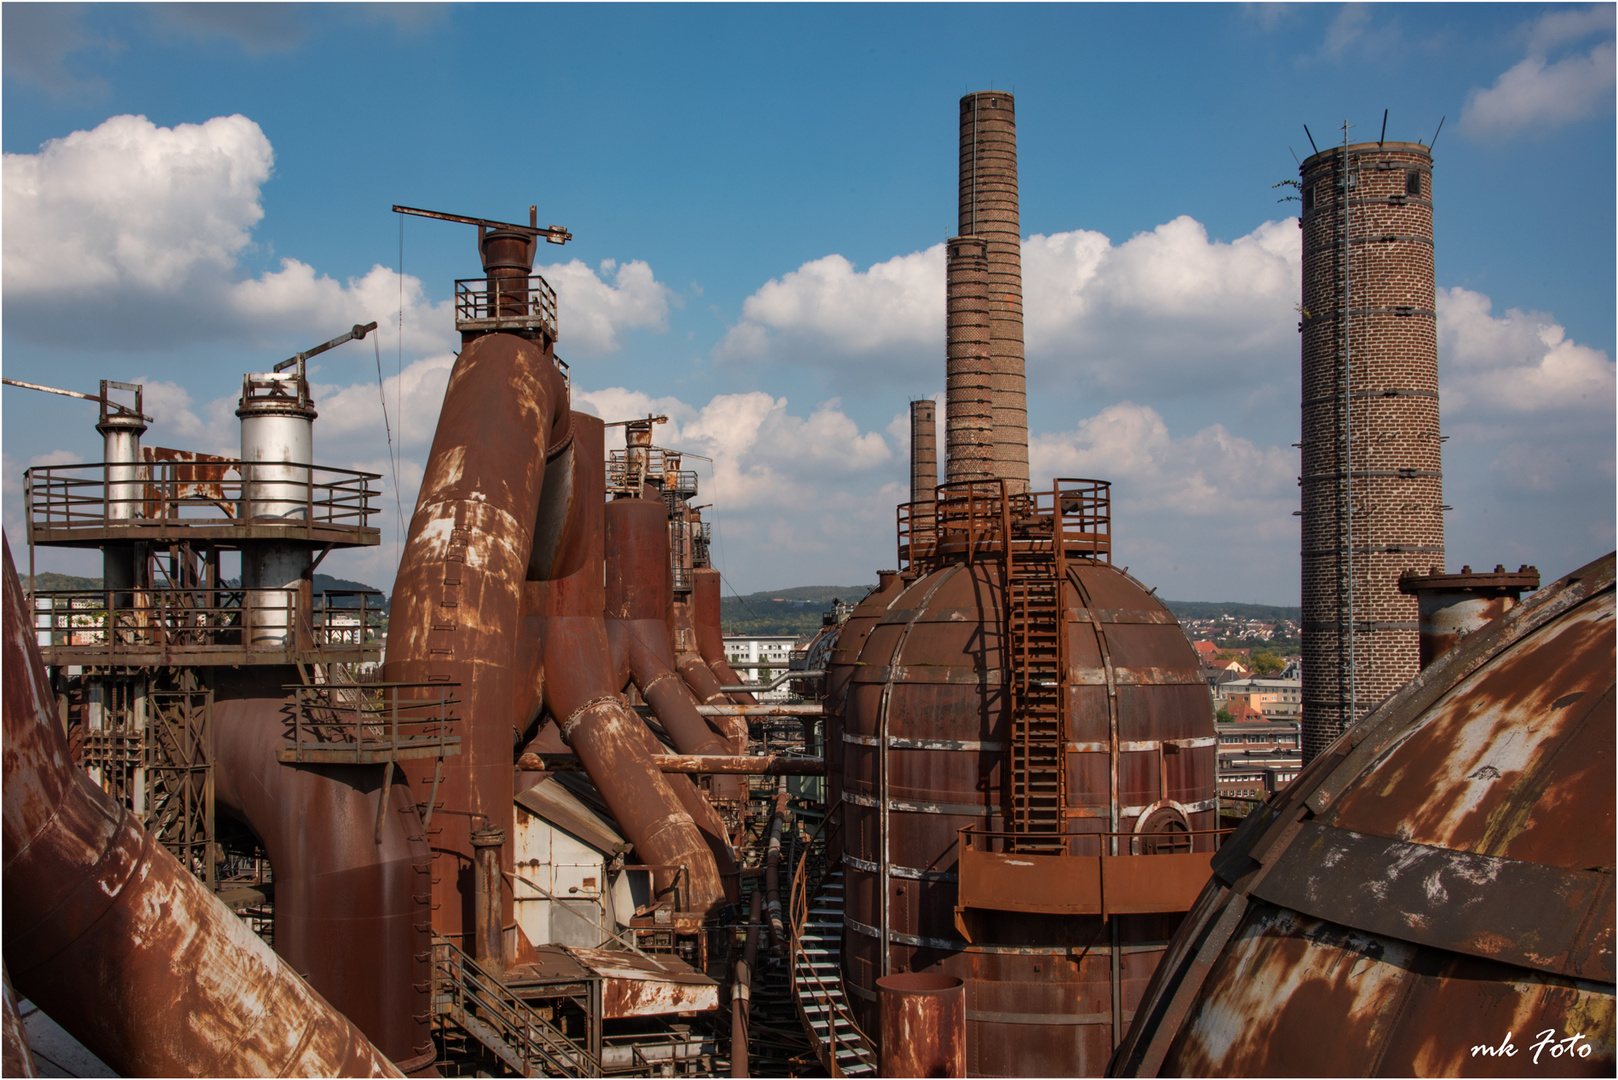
x,y
157,219
1170,310
1539,93
1516,365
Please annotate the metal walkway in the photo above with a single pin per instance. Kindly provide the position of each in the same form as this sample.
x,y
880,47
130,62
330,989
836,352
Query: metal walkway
x,y
478,1004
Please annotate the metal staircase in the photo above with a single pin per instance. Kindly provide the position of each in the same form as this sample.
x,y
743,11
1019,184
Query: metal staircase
x,y
817,979
1036,653
469,1000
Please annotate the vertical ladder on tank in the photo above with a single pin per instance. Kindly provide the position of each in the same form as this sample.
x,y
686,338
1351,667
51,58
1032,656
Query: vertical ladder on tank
x,y
1036,650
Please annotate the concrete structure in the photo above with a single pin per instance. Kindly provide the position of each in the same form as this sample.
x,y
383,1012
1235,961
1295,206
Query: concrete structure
x,y
1275,699
1371,479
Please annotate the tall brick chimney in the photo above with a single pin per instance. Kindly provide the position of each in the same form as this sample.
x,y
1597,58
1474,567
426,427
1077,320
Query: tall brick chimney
x,y
1372,484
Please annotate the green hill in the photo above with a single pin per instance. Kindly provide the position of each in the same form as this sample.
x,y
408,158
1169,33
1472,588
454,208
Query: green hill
x,y
784,611
1213,609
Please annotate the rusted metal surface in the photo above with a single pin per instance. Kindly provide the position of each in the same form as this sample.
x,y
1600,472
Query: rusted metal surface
x,y
638,984
1439,878
351,885
638,594
741,988
1080,884
704,684
925,753
923,1025
710,638
1451,606
457,601
96,912
694,764
15,1060
191,476
582,692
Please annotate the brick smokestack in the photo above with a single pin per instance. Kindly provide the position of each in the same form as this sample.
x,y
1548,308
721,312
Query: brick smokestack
x,y
923,450
969,407
1372,486
988,209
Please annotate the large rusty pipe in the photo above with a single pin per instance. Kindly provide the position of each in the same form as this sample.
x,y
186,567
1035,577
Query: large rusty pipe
x,y
582,693
772,872
692,764
710,636
1452,606
458,597
741,991
639,591
351,909
923,1025
113,938
704,684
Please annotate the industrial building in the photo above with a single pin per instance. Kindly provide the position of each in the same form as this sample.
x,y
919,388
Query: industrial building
x,y
993,830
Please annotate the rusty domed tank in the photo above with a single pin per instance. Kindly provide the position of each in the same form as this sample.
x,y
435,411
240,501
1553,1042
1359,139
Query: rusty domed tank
x,y
1028,784
1433,895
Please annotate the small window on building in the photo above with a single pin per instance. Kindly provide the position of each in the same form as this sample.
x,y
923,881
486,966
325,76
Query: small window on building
x,y
1308,198
1413,182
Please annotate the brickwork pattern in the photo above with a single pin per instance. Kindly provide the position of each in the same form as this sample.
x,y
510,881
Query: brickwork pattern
x,y
988,208
923,450
1370,448
969,413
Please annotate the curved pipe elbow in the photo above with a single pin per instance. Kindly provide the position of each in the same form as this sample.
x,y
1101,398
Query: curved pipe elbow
x,y
107,932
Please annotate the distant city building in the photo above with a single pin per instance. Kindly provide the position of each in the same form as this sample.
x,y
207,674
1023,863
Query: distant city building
x,y
1273,699
762,658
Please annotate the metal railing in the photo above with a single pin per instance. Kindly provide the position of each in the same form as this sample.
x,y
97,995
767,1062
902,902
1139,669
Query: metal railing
x,y
1001,842
362,723
481,1005
506,304
980,517
95,496
816,986
200,618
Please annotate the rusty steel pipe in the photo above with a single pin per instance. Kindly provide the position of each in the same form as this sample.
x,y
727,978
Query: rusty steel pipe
x,y
458,597
639,591
710,635
114,939
1451,606
486,894
741,992
351,909
582,692
704,684
923,1025
772,872
693,765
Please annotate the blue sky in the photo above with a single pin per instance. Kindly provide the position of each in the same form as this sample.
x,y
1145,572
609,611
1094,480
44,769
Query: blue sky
x,y
759,194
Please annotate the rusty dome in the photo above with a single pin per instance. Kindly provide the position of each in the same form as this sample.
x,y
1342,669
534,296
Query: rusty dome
x,y
1434,893
952,864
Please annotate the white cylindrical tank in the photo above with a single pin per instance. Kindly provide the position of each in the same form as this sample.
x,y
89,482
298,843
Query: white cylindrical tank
x,y
277,416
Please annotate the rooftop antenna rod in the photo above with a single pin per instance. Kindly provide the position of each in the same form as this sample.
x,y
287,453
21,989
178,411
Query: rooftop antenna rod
x,y
1311,138
356,333
1384,136
1441,120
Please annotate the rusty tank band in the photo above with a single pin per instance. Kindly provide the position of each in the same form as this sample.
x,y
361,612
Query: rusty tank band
x,y
600,701
898,742
911,806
